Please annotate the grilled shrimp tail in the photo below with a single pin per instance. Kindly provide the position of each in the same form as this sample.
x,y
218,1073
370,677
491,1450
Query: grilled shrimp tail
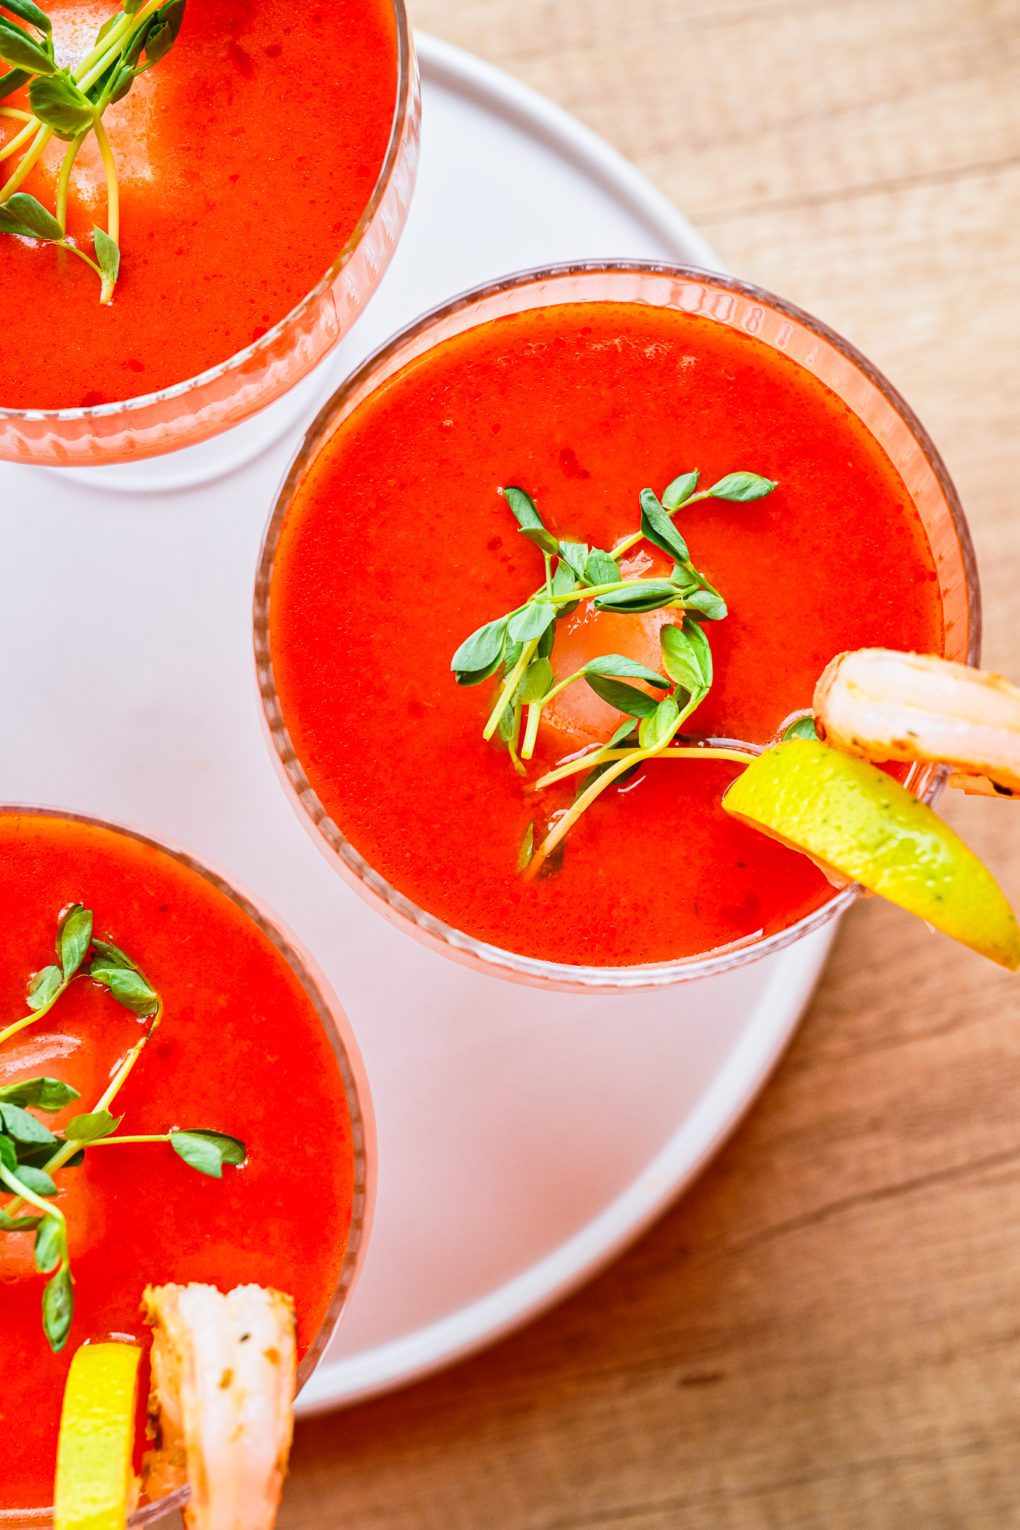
x,y
221,1402
915,707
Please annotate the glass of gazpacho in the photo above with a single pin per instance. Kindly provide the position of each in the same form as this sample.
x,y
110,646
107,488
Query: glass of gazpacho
x,y
652,436
196,202
176,1028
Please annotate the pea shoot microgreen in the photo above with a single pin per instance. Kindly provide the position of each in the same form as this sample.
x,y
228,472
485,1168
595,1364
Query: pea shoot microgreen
x,y
69,104
516,649
31,1154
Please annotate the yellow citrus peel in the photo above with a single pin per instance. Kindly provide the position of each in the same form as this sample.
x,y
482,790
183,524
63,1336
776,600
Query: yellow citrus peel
x,y
96,1487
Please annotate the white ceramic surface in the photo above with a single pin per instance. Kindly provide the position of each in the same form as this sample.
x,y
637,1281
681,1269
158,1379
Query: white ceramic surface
x,y
524,1137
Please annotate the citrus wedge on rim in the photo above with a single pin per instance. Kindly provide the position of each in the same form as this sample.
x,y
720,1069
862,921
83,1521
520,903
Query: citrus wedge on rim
x,y
854,819
96,1485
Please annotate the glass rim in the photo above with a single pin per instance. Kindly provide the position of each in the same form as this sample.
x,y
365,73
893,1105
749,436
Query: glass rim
x,y
265,342
926,782
336,1027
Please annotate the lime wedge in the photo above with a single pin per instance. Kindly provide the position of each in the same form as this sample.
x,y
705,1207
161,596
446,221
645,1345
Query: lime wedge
x,y
851,817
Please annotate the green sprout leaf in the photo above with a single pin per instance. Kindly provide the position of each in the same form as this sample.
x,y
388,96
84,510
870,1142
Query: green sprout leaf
x,y
686,656
18,1224
625,698
20,51
527,849
574,555
564,580
538,679
680,490
657,730
617,666
624,734
11,82
642,595
126,982
525,513
74,938
107,255
208,1151
43,987
91,1126
532,621
26,10
600,567
480,653
657,528
49,1094
57,101
707,603
58,1308
742,487
27,218
49,1245
23,1127
163,31
801,727
35,1179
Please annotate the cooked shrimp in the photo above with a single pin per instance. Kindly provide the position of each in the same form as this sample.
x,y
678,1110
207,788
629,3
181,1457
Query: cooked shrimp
x,y
221,1403
909,706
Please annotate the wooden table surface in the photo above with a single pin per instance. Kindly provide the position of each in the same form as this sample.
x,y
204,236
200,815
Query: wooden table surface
x,y
826,1331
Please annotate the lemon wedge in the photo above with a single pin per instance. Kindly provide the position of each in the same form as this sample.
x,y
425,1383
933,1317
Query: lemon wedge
x,y
851,817
96,1486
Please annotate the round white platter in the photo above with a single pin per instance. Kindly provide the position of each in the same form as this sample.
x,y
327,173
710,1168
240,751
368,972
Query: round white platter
x,y
525,1137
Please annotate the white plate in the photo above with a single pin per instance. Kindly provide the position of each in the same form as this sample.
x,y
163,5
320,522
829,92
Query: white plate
x,y
524,1137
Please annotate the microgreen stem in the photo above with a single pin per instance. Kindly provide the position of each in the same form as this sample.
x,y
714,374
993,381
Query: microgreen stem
x,y
531,731
94,66
112,184
64,180
561,685
24,1194
563,826
123,1073
590,591
37,1014
72,249
27,164
511,745
68,1149
535,712
112,201
587,761
19,138
125,1140
16,114
510,685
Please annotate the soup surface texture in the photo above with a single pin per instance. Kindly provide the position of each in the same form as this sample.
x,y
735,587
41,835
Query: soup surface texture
x,y
260,109
398,544
239,1049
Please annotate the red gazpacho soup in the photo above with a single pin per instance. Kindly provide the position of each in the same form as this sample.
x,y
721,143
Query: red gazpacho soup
x,y
239,1049
245,156
402,537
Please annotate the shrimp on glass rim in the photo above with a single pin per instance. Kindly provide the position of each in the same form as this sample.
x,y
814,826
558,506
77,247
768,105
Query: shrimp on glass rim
x,y
887,705
221,1401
